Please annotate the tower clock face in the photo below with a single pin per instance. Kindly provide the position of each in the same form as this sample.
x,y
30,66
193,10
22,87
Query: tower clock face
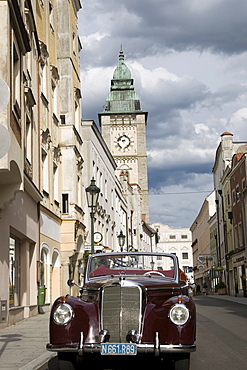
x,y
123,142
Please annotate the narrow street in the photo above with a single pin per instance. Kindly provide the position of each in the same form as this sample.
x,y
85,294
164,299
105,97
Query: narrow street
x,y
221,337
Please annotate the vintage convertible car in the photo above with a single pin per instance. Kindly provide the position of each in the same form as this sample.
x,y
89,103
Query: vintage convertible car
x,y
132,305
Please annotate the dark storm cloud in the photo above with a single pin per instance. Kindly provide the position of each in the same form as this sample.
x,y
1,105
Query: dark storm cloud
x,y
157,26
185,24
185,176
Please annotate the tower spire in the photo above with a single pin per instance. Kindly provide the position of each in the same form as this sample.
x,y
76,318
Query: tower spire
x,y
122,97
121,53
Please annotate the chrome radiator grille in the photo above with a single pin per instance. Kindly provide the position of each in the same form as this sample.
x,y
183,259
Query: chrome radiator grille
x,y
121,311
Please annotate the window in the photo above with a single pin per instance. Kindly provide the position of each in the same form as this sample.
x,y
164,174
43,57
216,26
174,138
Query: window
x,y
54,98
237,193
77,113
185,256
228,199
51,13
28,140
62,119
16,84
240,234
14,271
236,236
43,267
74,43
243,184
45,175
79,189
172,236
106,190
43,79
56,182
184,236
65,203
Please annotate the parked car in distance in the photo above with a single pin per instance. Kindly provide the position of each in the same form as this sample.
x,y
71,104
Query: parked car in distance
x,y
132,305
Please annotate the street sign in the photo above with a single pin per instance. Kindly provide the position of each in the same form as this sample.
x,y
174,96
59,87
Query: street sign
x,y
201,259
200,267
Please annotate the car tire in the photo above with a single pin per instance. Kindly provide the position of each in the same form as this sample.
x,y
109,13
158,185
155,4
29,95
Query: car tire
x,y
182,362
66,361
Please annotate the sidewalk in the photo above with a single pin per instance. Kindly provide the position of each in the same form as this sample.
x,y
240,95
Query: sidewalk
x,y
23,345
241,300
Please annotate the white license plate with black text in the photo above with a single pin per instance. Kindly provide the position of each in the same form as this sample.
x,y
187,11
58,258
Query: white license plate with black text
x,y
129,349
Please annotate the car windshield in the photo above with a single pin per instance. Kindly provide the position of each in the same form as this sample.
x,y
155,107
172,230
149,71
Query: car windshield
x,y
158,265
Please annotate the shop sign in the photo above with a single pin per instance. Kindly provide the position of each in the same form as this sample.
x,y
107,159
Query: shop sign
x,y
201,259
200,267
240,260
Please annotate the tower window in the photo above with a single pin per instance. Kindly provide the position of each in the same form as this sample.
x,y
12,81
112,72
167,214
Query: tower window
x,y
62,119
65,203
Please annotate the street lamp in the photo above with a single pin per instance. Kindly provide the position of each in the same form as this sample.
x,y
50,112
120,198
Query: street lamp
x,y
121,240
92,192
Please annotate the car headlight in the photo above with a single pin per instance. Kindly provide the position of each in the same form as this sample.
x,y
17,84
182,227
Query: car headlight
x,y
63,314
179,314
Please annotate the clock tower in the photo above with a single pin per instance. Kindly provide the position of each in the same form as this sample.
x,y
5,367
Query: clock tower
x,y
123,127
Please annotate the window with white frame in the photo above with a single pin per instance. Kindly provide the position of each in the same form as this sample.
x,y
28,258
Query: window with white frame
x,y
43,78
185,255
56,182
29,133
45,169
16,78
54,99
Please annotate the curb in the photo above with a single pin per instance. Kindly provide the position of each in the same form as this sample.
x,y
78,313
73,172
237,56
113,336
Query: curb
x,y
39,362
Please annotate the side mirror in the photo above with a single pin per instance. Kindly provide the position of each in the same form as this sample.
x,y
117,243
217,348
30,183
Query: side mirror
x,y
71,282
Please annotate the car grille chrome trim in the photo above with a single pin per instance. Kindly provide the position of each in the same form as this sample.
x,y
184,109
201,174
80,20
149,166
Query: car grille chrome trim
x,y
121,310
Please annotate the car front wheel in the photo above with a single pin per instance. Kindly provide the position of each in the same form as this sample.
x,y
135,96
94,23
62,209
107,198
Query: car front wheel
x,y
182,362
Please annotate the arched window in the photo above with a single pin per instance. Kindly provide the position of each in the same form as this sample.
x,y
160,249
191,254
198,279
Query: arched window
x,y
44,262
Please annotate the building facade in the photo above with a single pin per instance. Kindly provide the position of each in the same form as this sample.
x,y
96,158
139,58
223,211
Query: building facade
x,y
230,183
201,245
48,157
176,241
61,213
111,212
19,164
236,255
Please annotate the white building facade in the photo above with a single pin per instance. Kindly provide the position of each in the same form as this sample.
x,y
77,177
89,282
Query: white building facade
x,y
111,211
176,241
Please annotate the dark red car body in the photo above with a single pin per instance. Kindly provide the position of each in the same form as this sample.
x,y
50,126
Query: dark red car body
x,y
139,302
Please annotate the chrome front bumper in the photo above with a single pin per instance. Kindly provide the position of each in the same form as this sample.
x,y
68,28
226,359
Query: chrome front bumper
x,y
94,348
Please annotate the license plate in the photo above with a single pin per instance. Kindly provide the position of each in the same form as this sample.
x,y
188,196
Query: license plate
x,y
129,349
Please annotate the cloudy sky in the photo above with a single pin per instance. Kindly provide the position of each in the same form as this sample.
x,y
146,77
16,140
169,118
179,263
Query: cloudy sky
x,y
189,62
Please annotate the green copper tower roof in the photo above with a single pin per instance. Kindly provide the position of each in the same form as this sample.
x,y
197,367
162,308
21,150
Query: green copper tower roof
x,y
122,98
